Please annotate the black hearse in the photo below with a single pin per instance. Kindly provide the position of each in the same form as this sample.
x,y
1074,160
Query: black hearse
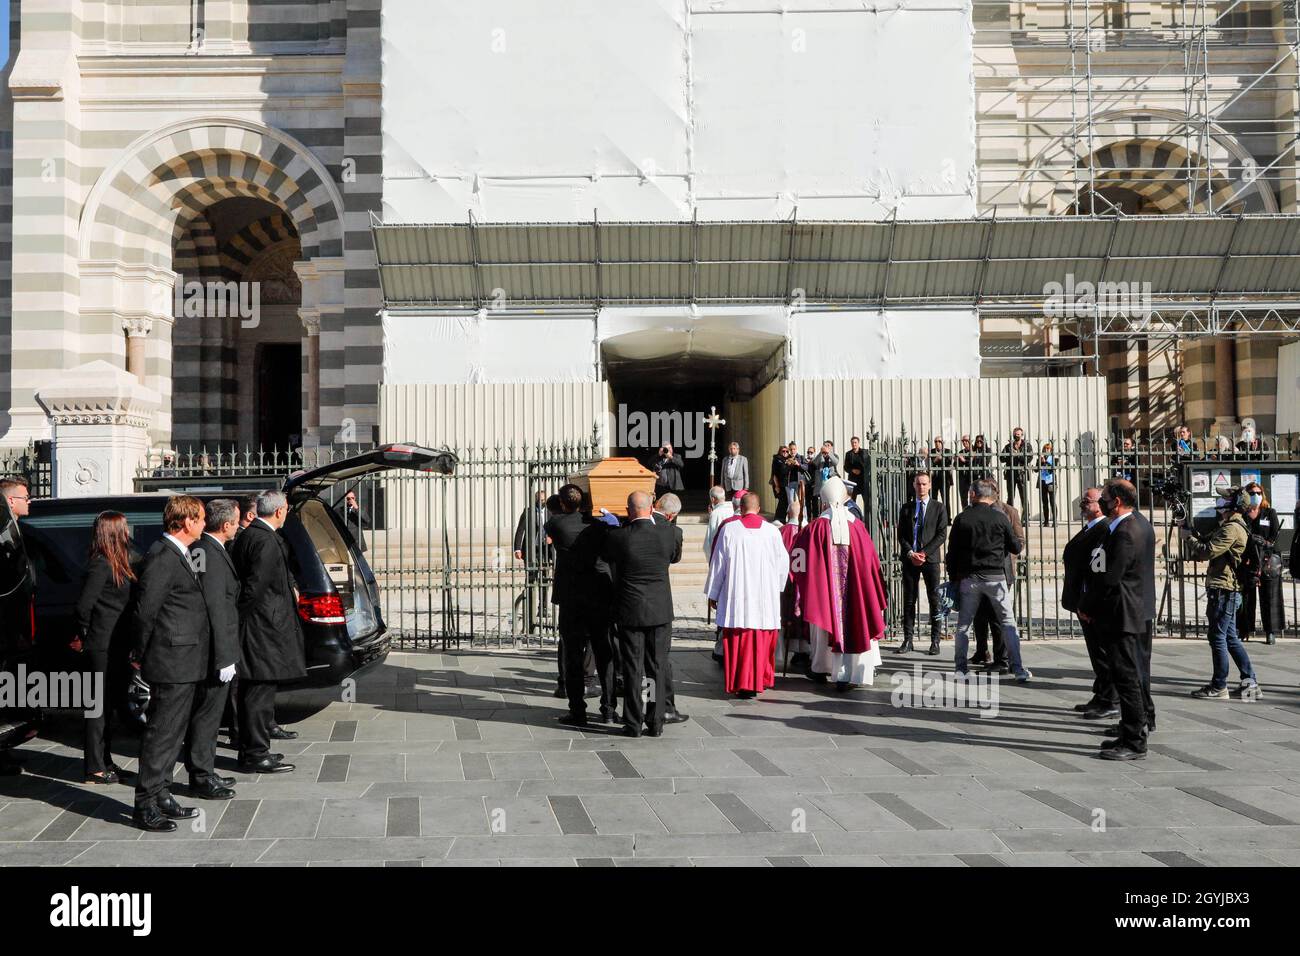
x,y
338,598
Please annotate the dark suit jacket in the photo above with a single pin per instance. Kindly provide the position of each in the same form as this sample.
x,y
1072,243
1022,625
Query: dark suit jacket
x,y
1121,589
662,521
934,528
172,636
270,637
104,608
221,591
581,575
640,554
1076,557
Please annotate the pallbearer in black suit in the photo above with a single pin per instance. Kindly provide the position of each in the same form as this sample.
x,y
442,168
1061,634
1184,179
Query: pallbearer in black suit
x,y
1119,596
640,554
220,584
581,590
1077,556
172,646
105,617
922,528
666,510
270,637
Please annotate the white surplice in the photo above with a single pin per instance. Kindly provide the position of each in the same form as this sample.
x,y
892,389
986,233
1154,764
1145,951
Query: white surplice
x,y
747,574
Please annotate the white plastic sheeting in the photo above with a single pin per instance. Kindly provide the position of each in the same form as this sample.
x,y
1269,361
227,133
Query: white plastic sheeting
x,y
480,349
889,344
656,110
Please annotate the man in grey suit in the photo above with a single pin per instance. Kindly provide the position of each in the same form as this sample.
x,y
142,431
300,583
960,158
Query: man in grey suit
x,y
735,471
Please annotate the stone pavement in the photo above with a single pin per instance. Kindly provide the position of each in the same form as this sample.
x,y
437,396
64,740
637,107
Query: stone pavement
x,y
456,759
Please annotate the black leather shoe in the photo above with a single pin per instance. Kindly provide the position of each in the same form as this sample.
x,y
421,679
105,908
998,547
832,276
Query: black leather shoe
x,y
1090,705
609,716
265,765
653,732
631,732
1123,752
979,660
172,810
152,820
676,717
934,649
216,780
1101,713
103,778
212,791
279,733
573,720
906,647
592,689
1110,744
560,692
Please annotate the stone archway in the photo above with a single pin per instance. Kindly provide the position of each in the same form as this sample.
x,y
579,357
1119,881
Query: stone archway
x,y
144,222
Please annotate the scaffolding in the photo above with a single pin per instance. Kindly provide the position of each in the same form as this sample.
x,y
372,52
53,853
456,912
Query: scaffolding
x,y
1117,108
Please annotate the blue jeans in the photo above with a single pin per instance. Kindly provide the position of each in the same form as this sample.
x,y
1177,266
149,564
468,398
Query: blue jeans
x,y
1004,616
1221,609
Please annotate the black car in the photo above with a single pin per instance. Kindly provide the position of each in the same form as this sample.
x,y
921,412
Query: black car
x,y
338,599
16,724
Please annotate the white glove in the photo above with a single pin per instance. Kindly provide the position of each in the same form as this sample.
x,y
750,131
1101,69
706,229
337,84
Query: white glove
x,y
227,674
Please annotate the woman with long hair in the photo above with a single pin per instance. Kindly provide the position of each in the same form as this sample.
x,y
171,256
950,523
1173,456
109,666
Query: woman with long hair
x,y
103,619
1260,571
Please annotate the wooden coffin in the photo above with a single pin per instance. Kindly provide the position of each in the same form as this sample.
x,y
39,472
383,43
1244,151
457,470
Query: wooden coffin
x,y
609,481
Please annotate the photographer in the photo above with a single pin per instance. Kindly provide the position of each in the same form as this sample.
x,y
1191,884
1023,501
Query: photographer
x,y
668,471
1223,549
1261,569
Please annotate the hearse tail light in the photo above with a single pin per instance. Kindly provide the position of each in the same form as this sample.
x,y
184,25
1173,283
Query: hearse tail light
x,y
321,608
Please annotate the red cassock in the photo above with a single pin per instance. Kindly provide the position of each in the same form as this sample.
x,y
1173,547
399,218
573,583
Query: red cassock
x,y
865,598
748,659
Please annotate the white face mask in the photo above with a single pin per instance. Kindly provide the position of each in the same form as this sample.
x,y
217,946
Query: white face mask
x,y
1256,500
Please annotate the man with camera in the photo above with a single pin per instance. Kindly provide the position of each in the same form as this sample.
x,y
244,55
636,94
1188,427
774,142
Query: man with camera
x,y
1223,549
668,471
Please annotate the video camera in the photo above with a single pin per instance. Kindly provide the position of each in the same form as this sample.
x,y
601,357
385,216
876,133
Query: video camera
x,y
1176,498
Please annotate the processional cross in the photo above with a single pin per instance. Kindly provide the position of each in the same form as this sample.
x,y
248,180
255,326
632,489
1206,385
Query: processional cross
x,y
713,422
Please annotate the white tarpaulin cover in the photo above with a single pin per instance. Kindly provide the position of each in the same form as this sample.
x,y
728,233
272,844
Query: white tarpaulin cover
x,y
890,344
654,110
737,332
479,349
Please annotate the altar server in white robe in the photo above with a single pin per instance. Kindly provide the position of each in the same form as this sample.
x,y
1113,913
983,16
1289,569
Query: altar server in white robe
x,y
747,573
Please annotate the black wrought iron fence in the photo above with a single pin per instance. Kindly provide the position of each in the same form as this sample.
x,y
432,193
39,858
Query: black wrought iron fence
x,y
32,463
1043,478
457,557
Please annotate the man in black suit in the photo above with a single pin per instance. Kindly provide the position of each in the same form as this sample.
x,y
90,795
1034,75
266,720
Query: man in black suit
x,y
1076,558
581,590
640,553
1119,595
220,585
270,638
172,647
922,527
666,510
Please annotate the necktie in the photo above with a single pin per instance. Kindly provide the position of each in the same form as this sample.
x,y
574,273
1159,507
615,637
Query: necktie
x,y
916,528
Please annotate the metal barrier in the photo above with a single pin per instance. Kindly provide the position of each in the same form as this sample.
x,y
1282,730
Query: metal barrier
x,y
33,463
1076,464
443,548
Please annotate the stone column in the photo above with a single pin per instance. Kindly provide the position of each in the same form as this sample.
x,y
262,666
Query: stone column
x,y
1225,384
311,376
137,332
100,417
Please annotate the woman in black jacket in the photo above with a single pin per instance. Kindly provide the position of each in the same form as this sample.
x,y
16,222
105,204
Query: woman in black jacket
x,y
104,619
1260,571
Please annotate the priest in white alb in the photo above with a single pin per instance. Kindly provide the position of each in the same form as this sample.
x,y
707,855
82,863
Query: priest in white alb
x,y
748,570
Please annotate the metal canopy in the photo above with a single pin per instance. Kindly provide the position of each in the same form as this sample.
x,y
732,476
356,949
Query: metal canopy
x,y
1174,263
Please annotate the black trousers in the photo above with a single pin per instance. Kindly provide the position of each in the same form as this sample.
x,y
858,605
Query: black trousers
x,y
782,506
964,481
201,742
98,752
1103,682
645,658
585,632
1018,481
1144,659
165,725
986,621
1125,651
1270,602
1047,502
256,717
912,577
230,717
